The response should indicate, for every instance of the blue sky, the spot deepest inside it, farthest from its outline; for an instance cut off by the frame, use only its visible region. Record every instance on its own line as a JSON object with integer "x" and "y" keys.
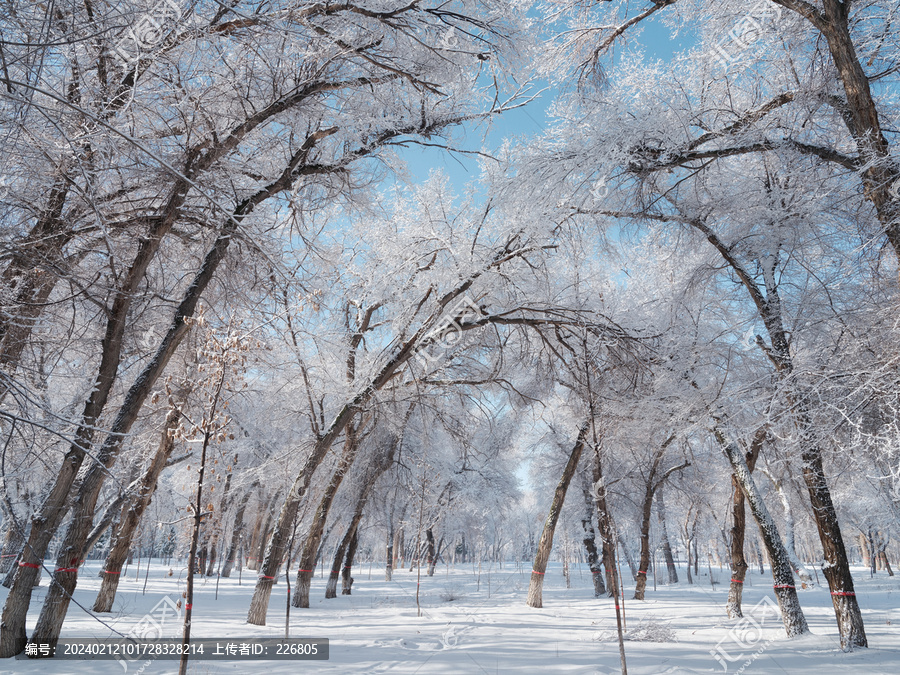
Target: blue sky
{"x": 656, "y": 42}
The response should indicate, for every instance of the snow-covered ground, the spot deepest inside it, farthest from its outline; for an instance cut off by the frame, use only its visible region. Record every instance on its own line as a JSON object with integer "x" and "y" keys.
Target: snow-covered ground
{"x": 487, "y": 628}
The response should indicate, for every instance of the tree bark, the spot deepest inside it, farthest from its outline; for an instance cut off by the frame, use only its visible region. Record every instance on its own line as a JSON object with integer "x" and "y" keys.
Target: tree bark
{"x": 837, "y": 568}
{"x": 72, "y": 550}
{"x": 236, "y": 532}
{"x": 664, "y": 537}
{"x": 546, "y": 542}
{"x": 133, "y": 512}
{"x": 314, "y": 538}
{"x": 589, "y": 539}
{"x": 389, "y": 555}
{"x": 738, "y": 529}
{"x": 429, "y": 551}
{"x": 651, "y": 485}
{"x": 791, "y": 614}
{"x": 346, "y": 578}
{"x": 789, "y": 543}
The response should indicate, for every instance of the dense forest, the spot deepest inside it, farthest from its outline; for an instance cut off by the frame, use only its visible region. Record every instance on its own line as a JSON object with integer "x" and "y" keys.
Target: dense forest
{"x": 239, "y": 333}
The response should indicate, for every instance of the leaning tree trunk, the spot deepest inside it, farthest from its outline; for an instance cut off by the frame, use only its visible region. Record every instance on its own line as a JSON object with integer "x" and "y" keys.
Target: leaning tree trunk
{"x": 314, "y": 538}
{"x": 789, "y": 542}
{"x": 644, "y": 559}
{"x": 277, "y": 545}
{"x": 429, "y": 551}
{"x": 71, "y": 552}
{"x": 768, "y": 304}
{"x": 346, "y": 541}
{"x": 132, "y": 513}
{"x": 255, "y": 536}
{"x": 381, "y": 463}
{"x": 738, "y": 528}
{"x": 546, "y": 542}
{"x": 236, "y": 532}
{"x": 46, "y": 522}
{"x": 335, "y": 574}
{"x": 837, "y": 565}
{"x": 664, "y": 536}
{"x": 651, "y": 485}
{"x": 589, "y": 539}
{"x": 791, "y": 614}
{"x": 218, "y": 532}
{"x": 605, "y": 529}
{"x": 12, "y": 545}
{"x": 213, "y": 556}
{"x": 346, "y": 577}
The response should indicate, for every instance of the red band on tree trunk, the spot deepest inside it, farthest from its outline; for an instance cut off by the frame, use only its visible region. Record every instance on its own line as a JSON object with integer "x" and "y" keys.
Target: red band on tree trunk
{"x": 190, "y": 605}
{"x": 304, "y": 570}
{"x": 66, "y": 569}
{"x": 263, "y": 576}
{"x": 108, "y": 572}
{"x": 31, "y": 565}
{"x": 536, "y": 572}
{"x": 843, "y": 593}
{"x": 784, "y": 586}
{"x": 738, "y": 581}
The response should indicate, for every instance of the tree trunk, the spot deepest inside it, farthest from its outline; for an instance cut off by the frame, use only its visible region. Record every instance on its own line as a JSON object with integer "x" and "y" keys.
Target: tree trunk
{"x": 664, "y": 537}
{"x": 791, "y": 614}
{"x": 335, "y": 574}
{"x": 236, "y": 532}
{"x": 799, "y": 567}
{"x": 738, "y": 528}
{"x": 589, "y": 539}
{"x": 195, "y": 537}
{"x": 12, "y": 545}
{"x": 768, "y": 305}
{"x": 72, "y": 550}
{"x": 389, "y": 555}
{"x": 213, "y": 553}
{"x": 887, "y": 563}
{"x": 837, "y": 566}
{"x": 132, "y": 513}
{"x": 644, "y": 560}
{"x": 46, "y": 522}
{"x": 314, "y": 538}
{"x": 430, "y": 553}
{"x": 346, "y": 578}
{"x": 546, "y": 542}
